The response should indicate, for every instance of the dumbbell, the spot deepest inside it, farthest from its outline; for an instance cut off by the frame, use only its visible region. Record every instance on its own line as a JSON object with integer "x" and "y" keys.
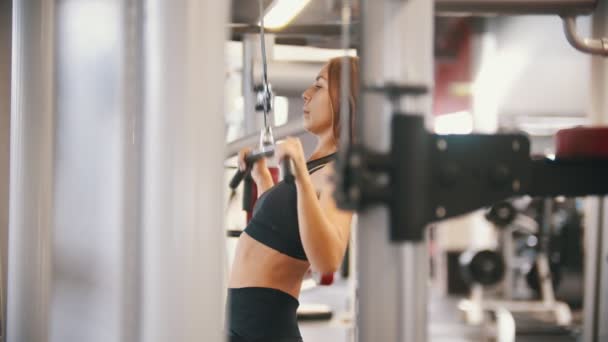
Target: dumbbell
{"x": 484, "y": 267}
{"x": 501, "y": 214}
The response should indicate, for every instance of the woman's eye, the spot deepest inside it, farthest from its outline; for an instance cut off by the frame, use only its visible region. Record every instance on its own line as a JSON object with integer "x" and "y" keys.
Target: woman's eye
{"x": 318, "y": 86}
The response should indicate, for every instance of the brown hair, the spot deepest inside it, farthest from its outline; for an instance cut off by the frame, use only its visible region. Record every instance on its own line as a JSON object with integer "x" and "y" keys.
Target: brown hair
{"x": 334, "y": 72}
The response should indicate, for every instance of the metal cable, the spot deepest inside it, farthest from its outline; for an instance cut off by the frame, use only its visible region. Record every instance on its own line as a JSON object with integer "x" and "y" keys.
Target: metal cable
{"x": 264, "y": 65}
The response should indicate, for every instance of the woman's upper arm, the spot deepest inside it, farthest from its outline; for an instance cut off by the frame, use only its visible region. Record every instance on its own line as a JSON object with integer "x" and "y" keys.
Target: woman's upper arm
{"x": 340, "y": 219}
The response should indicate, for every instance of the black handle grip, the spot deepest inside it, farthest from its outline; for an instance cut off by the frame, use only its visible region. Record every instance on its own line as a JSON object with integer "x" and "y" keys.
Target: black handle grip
{"x": 250, "y": 159}
{"x": 248, "y": 193}
{"x": 288, "y": 176}
{"x": 238, "y": 177}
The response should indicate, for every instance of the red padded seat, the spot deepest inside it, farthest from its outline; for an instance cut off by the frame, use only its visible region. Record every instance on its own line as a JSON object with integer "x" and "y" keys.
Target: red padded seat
{"x": 582, "y": 143}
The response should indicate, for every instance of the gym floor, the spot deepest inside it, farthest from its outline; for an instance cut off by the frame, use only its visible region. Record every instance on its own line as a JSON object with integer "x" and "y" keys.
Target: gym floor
{"x": 445, "y": 319}
{"x": 445, "y": 326}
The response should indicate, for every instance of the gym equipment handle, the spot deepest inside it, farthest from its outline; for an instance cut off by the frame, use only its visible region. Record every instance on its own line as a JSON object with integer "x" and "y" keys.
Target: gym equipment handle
{"x": 250, "y": 159}
{"x": 288, "y": 176}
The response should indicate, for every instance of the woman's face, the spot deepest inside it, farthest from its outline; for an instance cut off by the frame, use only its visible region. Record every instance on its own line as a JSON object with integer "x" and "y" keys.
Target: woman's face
{"x": 318, "y": 116}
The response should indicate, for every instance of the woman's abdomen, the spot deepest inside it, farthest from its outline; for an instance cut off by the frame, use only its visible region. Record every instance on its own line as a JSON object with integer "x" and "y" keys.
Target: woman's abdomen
{"x": 257, "y": 265}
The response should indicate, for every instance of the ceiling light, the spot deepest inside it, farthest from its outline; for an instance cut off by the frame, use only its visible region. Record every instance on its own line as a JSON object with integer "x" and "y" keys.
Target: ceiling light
{"x": 454, "y": 123}
{"x": 282, "y": 12}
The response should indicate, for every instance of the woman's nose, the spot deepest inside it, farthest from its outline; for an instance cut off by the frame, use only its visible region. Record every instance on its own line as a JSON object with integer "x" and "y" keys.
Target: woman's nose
{"x": 305, "y": 95}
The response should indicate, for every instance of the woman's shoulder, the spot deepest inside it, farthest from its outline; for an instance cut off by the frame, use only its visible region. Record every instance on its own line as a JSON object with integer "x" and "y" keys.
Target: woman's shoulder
{"x": 322, "y": 178}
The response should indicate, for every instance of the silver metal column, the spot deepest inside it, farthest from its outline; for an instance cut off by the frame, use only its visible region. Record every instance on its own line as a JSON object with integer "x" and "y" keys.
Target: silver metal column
{"x": 72, "y": 218}
{"x": 598, "y": 110}
{"x": 183, "y": 154}
{"x": 596, "y": 270}
{"x": 595, "y": 306}
{"x": 392, "y": 279}
{"x": 602, "y": 298}
{"x": 114, "y": 215}
{"x": 31, "y": 184}
{"x": 6, "y": 14}
{"x": 95, "y": 213}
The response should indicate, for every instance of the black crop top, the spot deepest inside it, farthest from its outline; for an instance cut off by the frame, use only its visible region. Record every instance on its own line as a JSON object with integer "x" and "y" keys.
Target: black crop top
{"x": 275, "y": 216}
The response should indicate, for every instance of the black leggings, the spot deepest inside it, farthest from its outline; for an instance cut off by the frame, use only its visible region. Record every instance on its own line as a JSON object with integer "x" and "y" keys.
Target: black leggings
{"x": 261, "y": 314}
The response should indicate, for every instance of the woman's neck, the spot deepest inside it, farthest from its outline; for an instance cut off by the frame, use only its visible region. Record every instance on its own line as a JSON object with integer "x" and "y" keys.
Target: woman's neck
{"x": 325, "y": 146}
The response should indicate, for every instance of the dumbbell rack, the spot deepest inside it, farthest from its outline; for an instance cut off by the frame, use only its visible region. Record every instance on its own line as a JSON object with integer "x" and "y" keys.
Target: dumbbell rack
{"x": 477, "y": 305}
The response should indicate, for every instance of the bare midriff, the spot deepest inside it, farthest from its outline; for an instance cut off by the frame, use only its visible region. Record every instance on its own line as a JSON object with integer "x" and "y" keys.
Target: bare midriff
{"x": 257, "y": 265}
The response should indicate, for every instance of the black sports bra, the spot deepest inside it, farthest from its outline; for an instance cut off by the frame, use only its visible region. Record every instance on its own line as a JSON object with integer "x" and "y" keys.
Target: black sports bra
{"x": 275, "y": 216}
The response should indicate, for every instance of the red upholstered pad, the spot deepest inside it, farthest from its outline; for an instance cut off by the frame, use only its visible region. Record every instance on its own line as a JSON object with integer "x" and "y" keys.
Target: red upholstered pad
{"x": 322, "y": 279}
{"x": 582, "y": 143}
{"x": 326, "y": 279}
{"x": 274, "y": 172}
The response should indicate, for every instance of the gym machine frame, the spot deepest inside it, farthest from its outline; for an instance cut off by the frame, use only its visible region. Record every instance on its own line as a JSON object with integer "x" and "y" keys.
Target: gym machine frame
{"x": 429, "y": 177}
{"x": 434, "y": 177}
{"x": 422, "y": 177}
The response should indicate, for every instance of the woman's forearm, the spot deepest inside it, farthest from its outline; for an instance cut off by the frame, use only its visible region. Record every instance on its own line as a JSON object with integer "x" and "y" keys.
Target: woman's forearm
{"x": 264, "y": 183}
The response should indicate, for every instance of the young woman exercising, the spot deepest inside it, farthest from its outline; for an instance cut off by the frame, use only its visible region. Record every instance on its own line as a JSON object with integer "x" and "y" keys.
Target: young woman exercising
{"x": 294, "y": 226}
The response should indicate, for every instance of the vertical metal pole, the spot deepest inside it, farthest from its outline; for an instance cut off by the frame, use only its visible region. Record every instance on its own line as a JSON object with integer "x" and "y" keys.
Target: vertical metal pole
{"x": 95, "y": 182}
{"x": 183, "y": 134}
{"x": 598, "y": 110}
{"x": 392, "y": 278}
{"x": 5, "y": 134}
{"x": 508, "y": 252}
{"x": 114, "y": 217}
{"x": 602, "y": 299}
{"x": 596, "y": 210}
{"x": 546, "y": 286}
{"x": 133, "y": 19}
{"x": 595, "y": 269}
{"x": 31, "y": 171}
{"x": 72, "y": 184}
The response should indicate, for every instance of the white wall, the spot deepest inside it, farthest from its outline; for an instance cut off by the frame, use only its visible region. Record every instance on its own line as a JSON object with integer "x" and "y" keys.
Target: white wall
{"x": 532, "y": 69}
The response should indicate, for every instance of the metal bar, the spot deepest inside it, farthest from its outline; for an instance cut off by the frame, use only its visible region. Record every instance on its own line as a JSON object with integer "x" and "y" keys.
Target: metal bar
{"x": 96, "y": 172}
{"x": 183, "y": 133}
{"x": 568, "y": 178}
{"x": 598, "y": 109}
{"x": 476, "y": 7}
{"x": 602, "y": 299}
{"x": 507, "y": 247}
{"x": 288, "y": 78}
{"x": 31, "y": 171}
{"x": 597, "y": 46}
{"x": 5, "y": 134}
{"x": 131, "y": 263}
{"x": 594, "y": 217}
{"x": 87, "y": 155}
{"x": 319, "y": 29}
{"x": 542, "y": 262}
{"x": 397, "y": 48}
{"x": 598, "y": 238}
{"x": 413, "y": 299}
{"x": 291, "y": 128}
